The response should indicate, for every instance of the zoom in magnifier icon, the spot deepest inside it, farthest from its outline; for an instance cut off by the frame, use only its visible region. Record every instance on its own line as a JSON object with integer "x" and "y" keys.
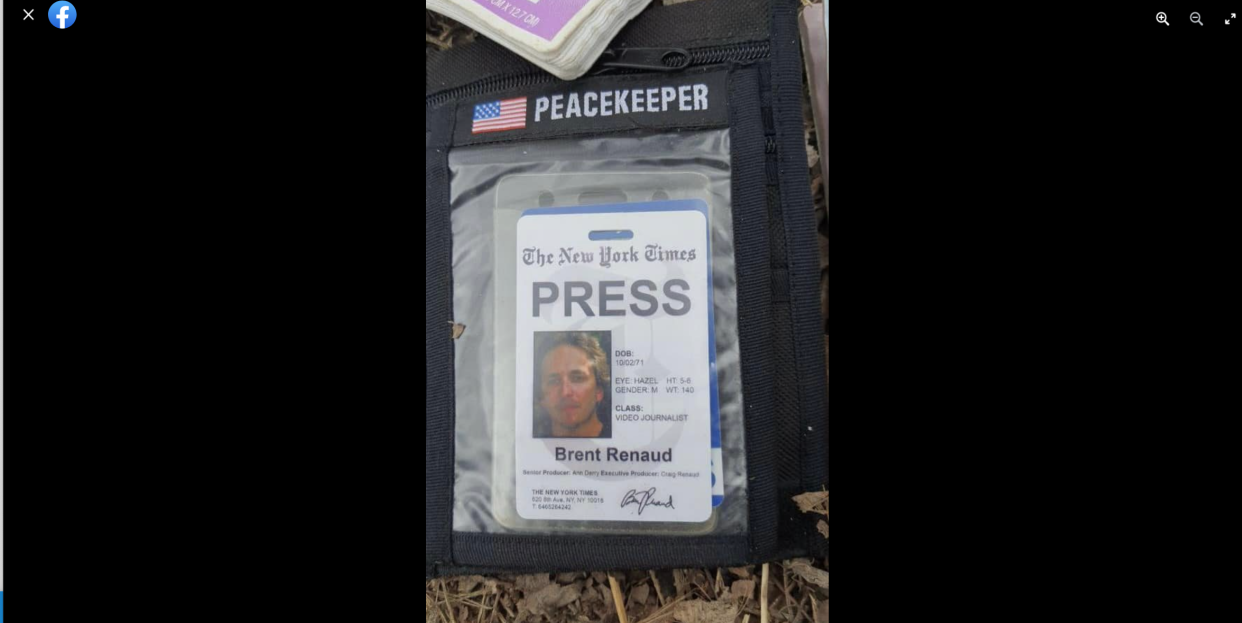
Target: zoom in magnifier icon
{"x": 1194, "y": 19}
{"x": 1162, "y": 18}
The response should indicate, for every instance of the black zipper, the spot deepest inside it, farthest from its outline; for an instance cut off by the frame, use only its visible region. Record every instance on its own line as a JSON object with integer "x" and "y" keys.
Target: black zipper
{"x": 501, "y": 83}
{"x": 617, "y": 61}
{"x": 740, "y": 52}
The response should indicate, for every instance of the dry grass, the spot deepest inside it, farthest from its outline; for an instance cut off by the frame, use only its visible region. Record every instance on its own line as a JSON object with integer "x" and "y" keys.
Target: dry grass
{"x": 790, "y": 591}
{"x": 796, "y": 591}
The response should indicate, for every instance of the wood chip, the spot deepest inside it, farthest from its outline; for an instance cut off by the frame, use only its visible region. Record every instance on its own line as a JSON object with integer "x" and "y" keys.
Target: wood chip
{"x": 617, "y": 598}
{"x": 802, "y": 567}
{"x": 763, "y": 596}
{"x": 468, "y": 583}
{"x": 458, "y": 329}
{"x": 436, "y": 42}
{"x": 813, "y": 502}
{"x": 551, "y": 597}
{"x": 655, "y": 582}
{"x": 639, "y": 594}
{"x": 566, "y": 578}
{"x": 741, "y": 572}
{"x": 700, "y": 611}
{"x": 699, "y": 580}
{"x": 680, "y": 582}
{"x": 821, "y": 611}
{"x": 530, "y": 584}
{"x": 822, "y": 526}
{"x": 743, "y": 589}
{"x": 606, "y": 591}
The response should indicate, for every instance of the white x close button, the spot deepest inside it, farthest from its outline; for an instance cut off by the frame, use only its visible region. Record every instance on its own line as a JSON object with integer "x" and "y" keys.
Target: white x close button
{"x": 28, "y": 15}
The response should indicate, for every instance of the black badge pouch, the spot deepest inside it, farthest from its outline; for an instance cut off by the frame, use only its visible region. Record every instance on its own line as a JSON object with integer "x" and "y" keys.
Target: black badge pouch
{"x": 656, "y": 135}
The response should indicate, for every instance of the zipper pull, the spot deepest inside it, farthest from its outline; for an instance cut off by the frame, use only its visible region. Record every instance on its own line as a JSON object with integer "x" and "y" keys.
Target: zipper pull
{"x": 651, "y": 59}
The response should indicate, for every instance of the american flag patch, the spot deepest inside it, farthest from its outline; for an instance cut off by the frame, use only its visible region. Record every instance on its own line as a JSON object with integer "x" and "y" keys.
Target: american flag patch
{"x": 499, "y": 115}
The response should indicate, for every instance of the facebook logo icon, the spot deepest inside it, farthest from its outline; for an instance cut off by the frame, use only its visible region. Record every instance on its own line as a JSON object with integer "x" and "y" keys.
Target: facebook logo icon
{"x": 62, "y": 14}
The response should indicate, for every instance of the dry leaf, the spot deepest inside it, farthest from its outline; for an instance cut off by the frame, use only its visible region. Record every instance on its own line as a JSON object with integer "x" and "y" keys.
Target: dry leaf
{"x": 813, "y": 502}
{"x": 822, "y": 526}
{"x": 593, "y": 602}
{"x": 606, "y": 591}
{"x": 655, "y": 584}
{"x": 679, "y": 581}
{"x": 699, "y": 611}
{"x": 700, "y": 580}
{"x": 743, "y": 588}
{"x": 469, "y": 583}
{"x": 530, "y": 584}
{"x": 549, "y": 599}
{"x": 821, "y": 611}
{"x": 458, "y": 329}
{"x": 435, "y": 42}
{"x": 802, "y": 567}
{"x": 639, "y": 594}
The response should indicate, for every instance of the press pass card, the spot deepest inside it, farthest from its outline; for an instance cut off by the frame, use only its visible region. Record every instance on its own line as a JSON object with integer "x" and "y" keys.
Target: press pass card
{"x": 616, "y": 415}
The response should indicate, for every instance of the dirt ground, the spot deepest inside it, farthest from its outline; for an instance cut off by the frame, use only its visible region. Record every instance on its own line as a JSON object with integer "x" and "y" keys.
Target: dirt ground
{"x": 789, "y": 591}
{"x": 795, "y": 590}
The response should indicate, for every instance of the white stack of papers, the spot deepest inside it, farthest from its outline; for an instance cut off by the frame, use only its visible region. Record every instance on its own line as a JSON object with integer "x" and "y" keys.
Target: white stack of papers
{"x": 564, "y": 37}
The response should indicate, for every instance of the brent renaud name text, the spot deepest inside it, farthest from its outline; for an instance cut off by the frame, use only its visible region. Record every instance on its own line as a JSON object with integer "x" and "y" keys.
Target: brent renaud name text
{"x": 614, "y": 454}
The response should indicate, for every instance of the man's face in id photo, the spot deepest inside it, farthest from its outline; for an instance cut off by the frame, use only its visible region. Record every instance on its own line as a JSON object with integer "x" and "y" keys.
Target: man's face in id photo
{"x": 570, "y": 393}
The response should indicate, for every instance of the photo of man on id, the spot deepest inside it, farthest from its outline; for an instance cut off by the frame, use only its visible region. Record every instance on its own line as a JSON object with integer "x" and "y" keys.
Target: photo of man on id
{"x": 572, "y": 384}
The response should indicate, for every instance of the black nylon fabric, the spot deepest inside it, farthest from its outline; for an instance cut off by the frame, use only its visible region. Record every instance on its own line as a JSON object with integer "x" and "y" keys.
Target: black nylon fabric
{"x": 754, "y": 303}
{"x": 719, "y": 22}
{"x": 482, "y": 553}
{"x": 678, "y": 25}
{"x": 802, "y": 256}
{"x": 463, "y": 64}
{"x": 783, "y": 371}
{"x": 439, "y": 437}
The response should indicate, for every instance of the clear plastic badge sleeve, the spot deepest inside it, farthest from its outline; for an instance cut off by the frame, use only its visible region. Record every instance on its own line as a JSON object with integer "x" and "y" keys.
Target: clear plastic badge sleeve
{"x": 545, "y": 441}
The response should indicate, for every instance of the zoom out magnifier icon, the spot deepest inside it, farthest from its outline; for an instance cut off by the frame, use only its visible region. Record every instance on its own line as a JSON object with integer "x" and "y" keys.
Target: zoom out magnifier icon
{"x": 1194, "y": 19}
{"x": 1162, "y": 18}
